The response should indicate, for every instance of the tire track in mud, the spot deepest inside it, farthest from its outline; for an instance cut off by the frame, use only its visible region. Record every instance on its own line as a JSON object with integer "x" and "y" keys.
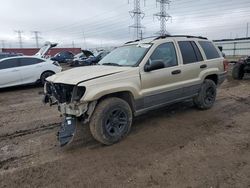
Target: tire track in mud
{"x": 25, "y": 132}
{"x": 4, "y": 164}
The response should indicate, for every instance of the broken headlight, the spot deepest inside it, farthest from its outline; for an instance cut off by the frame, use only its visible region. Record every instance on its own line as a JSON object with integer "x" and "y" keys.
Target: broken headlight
{"x": 78, "y": 93}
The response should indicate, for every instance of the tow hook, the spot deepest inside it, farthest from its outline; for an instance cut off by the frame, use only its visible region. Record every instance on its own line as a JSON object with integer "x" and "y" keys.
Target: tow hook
{"x": 67, "y": 130}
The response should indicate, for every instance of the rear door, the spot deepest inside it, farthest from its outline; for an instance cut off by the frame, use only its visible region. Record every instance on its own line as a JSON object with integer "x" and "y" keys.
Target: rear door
{"x": 10, "y": 73}
{"x": 192, "y": 64}
{"x": 31, "y": 69}
{"x": 214, "y": 59}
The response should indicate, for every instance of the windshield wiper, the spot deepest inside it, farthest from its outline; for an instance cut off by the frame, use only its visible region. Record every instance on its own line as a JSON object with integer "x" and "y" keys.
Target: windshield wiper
{"x": 113, "y": 64}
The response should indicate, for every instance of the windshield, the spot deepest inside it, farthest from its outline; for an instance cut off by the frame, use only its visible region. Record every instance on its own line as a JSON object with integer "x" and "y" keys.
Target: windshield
{"x": 126, "y": 55}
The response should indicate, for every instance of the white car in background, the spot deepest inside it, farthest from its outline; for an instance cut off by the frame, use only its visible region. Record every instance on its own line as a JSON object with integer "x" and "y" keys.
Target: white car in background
{"x": 23, "y": 70}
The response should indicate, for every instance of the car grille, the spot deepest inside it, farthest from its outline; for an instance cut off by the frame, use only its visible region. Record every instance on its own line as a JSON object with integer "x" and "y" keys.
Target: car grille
{"x": 62, "y": 92}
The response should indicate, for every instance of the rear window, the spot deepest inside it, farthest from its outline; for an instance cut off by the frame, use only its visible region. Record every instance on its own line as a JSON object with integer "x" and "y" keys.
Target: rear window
{"x": 209, "y": 49}
{"x": 29, "y": 61}
{"x": 190, "y": 52}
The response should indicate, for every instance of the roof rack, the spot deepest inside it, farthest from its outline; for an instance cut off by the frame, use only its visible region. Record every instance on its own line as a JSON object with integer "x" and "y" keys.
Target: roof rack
{"x": 132, "y": 41}
{"x": 166, "y": 36}
{"x": 137, "y": 40}
{"x": 188, "y": 36}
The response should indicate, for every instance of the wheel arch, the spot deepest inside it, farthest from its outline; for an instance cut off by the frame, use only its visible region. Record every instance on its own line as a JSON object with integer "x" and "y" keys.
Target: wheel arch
{"x": 124, "y": 95}
{"x": 47, "y": 71}
{"x": 213, "y": 77}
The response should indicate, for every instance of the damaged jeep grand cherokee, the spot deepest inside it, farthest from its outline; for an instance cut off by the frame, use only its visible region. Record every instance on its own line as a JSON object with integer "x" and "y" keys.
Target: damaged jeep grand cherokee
{"x": 133, "y": 79}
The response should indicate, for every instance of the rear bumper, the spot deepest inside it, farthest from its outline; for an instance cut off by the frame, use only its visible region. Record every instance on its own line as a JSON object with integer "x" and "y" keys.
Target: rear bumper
{"x": 222, "y": 77}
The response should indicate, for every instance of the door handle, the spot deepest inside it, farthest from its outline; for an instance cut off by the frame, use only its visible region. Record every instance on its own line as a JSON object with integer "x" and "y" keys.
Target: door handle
{"x": 203, "y": 66}
{"x": 176, "y": 72}
{"x": 15, "y": 70}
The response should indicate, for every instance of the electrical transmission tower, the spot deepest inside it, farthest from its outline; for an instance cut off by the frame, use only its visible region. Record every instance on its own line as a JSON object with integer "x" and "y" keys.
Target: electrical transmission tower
{"x": 19, "y": 33}
{"x": 137, "y": 15}
{"x": 36, "y": 37}
{"x": 3, "y": 43}
{"x": 163, "y": 16}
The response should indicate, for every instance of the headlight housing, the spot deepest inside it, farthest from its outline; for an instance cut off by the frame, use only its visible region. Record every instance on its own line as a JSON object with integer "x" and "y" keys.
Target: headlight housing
{"x": 78, "y": 93}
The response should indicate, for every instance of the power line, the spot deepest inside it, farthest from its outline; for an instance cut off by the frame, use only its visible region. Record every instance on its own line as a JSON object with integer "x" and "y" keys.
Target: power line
{"x": 163, "y": 16}
{"x": 208, "y": 9}
{"x": 137, "y": 15}
{"x": 19, "y": 33}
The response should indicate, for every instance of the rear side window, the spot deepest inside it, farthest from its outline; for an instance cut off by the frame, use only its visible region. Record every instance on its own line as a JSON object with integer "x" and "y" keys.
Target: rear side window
{"x": 29, "y": 61}
{"x": 9, "y": 63}
{"x": 190, "y": 52}
{"x": 209, "y": 49}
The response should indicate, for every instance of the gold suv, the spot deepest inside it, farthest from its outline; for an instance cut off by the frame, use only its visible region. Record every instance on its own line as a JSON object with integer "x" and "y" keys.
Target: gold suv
{"x": 133, "y": 79}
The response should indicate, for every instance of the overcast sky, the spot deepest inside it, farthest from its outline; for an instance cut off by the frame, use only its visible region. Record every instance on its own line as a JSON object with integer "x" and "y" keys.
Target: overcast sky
{"x": 105, "y": 22}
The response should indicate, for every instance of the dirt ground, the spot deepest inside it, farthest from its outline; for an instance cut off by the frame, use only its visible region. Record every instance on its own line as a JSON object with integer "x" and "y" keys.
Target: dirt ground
{"x": 177, "y": 146}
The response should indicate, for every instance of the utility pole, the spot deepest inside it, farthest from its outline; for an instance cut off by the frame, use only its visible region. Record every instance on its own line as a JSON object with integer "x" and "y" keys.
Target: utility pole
{"x": 73, "y": 46}
{"x": 137, "y": 15}
{"x": 19, "y": 33}
{"x": 3, "y": 43}
{"x": 247, "y": 29}
{"x": 141, "y": 35}
{"x": 36, "y": 37}
{"x": 84, "y": 40}
{"x": 163, "y": 16}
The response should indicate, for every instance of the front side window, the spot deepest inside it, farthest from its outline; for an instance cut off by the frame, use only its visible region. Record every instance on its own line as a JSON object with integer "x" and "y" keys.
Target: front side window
{"x": 190, "y": 52}
{"x": 29, "y": 61}
{"x": 126, "y": 55}
{"x": 9, "y": 63}
{"x": 209, "y": 49}
{"x": 165, "y": 53}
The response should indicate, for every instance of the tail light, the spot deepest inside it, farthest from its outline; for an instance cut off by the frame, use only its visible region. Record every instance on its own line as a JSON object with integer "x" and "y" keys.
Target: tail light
{"x": 225, "y": 64}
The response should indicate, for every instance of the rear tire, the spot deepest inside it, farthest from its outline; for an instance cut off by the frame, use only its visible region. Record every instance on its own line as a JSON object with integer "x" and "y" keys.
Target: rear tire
{"x": 45, "y": 75}
{"x": 238, "y": 71}
{"x": 206, "y": 96}
{"x": 111, "y": 121}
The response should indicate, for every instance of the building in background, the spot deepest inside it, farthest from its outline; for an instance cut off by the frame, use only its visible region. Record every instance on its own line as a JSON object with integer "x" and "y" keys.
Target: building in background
{"x": 235, "y": 47}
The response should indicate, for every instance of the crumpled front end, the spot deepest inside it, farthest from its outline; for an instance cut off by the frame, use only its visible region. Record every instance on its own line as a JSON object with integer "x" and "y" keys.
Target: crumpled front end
{"x": 67, "y": 97}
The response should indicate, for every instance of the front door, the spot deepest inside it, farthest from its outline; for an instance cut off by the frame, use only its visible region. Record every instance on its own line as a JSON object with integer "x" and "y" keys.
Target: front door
{"x": 162, "y": 85}
{"x": 9, "y": 73}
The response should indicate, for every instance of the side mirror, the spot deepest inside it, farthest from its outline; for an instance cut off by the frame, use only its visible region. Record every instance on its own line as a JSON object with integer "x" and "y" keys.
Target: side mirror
{"x": 154, "y": 65}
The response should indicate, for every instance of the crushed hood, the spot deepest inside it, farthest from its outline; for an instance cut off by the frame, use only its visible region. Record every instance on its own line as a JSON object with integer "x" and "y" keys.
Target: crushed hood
{"x": 81, "y": 74}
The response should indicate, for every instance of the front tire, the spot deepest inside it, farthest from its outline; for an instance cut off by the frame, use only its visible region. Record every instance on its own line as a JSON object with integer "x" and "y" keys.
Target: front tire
{"x": 111, "y": 121}
{"x": 206, "y": 96}
{"x": 238, "y": 71}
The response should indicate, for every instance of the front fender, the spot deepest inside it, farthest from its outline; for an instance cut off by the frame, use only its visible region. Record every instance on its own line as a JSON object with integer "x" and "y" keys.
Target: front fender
{"x": 95, "y": 93}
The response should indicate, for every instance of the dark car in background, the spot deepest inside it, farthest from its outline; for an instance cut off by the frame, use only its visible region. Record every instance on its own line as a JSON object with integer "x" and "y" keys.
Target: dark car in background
{"x": 63, "y": 57}
{"x": 89, "y": 58}
{"x": 5, "y": 55}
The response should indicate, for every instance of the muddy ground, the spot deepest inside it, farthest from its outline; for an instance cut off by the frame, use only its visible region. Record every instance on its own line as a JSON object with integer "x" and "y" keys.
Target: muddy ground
{"x": 177, "y": 146}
